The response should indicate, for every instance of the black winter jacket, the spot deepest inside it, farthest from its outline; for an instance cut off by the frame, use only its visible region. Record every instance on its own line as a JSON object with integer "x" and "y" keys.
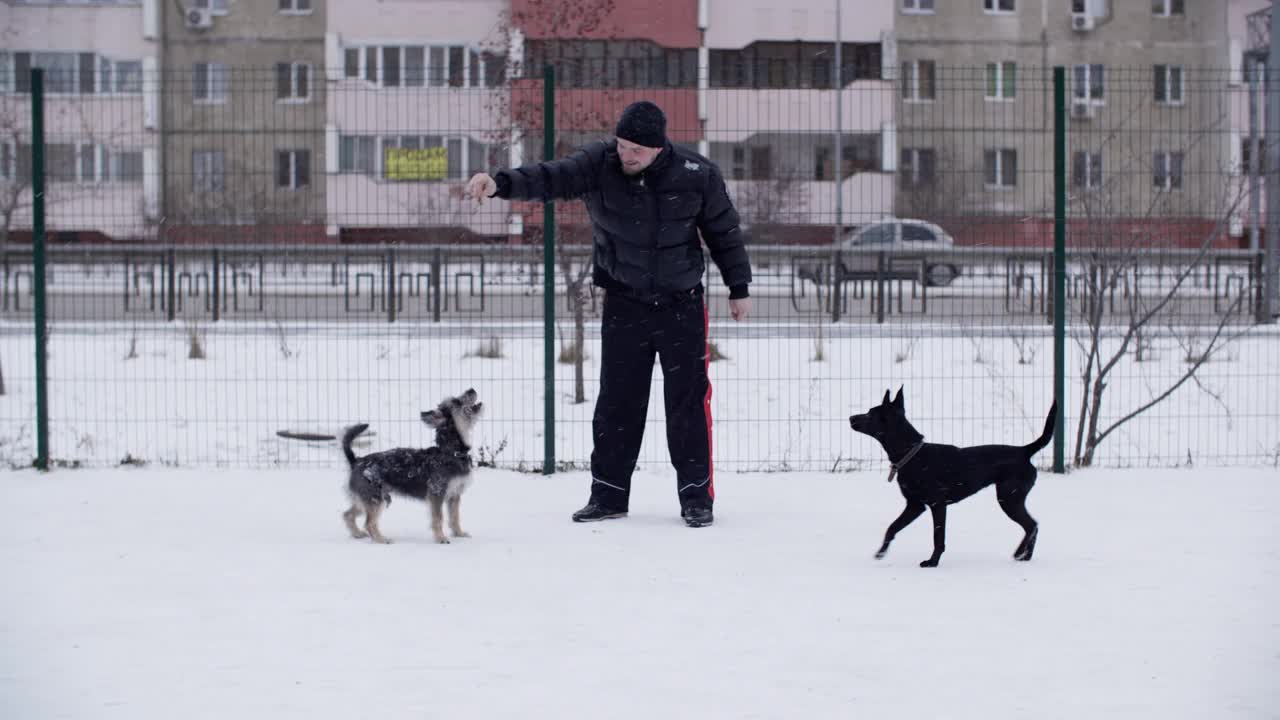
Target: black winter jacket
{"x": 645, "y": 227}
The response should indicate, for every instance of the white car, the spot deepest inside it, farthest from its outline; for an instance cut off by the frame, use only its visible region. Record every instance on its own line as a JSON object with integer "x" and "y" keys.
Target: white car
{"x": 899, "y": 235}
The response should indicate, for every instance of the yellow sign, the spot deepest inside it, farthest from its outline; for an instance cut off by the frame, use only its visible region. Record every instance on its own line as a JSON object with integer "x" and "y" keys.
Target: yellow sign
{"x": 427, "y": 164}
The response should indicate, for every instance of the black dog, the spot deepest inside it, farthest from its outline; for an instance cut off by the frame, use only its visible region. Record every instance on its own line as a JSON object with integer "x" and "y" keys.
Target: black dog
{"x": 438, "y": 474}
{"x": 935, "y": 476}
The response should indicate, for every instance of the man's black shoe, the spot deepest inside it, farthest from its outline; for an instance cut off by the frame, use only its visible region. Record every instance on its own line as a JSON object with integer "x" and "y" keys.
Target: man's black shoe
{"x": 593, "y": 512}
{"x": 697, "y": 516}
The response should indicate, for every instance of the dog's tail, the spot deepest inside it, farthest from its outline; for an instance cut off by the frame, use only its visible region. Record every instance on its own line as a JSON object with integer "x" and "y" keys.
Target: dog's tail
{"x": 1047, "y": 436}
{"x": 350, "y": 435}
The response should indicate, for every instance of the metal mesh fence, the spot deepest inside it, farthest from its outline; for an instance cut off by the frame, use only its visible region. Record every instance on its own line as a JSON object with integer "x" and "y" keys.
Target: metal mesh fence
{"x": 239, "y": 254}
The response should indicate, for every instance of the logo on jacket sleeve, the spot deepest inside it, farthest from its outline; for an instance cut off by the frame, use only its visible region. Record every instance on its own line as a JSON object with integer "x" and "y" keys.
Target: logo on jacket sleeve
{"x": 690, "y": 165}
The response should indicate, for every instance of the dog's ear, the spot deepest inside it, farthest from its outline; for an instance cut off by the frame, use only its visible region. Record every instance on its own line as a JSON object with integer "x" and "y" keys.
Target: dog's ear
{"x": 886, "y": 398}
{"x": 897, "y": 399}
{"x": 434, "y": 418}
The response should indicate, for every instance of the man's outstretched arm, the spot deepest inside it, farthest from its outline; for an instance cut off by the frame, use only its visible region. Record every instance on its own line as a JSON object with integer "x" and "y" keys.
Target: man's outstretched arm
{"x": 563, "y": 179}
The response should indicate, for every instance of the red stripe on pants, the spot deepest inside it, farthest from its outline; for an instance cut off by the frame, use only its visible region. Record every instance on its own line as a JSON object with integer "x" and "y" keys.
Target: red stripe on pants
{"x": 706, "y": 401}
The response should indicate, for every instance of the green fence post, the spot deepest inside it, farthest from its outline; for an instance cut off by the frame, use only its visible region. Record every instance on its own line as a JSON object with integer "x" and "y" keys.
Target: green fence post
{"x": 37, "y": 259}
{"x": 391, "y": 284}
{"x": 549, "y": 276}
{"x": 1059, "y": 263}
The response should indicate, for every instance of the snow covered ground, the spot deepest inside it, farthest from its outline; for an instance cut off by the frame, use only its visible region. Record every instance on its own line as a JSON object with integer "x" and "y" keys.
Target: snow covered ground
{"x": 160, "y": 593}
{"x": 118, "y": 393}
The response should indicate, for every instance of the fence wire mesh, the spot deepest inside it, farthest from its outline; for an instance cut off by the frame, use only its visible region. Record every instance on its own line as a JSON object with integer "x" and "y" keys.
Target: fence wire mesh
{"x": 237, "y": 254}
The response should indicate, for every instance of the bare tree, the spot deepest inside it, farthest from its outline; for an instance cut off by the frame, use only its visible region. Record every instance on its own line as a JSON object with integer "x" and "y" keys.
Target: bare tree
{"x": 579, "y": 296}
{"x": 16, "y": 199}
{"x": 766, "y": 206}
{"x": 1113, "y": 254}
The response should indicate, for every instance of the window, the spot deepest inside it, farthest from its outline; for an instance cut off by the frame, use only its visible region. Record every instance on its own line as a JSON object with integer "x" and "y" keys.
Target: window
{"x": 351, "y": 62}
{"x": 62, "y": 71}
{"x": 219, "y": 7}
{"x": 750, "y": 162}
{"x": 415, "y": 66}
{"x": 916, "y": 167}
{"x": 861, "y": 153}
{"x": 822, "y": 168}
{"x": 1088, "y": 83}
{"x": 1168, "y": 84}
{"x": 917, "y": 233}
{"x": 768, "y": 64}
{"x": 391, "y": 67}
{"x": 917, "y": 6}
{"x": 998, "y": 6}
{"x": 1000, "y": 168}
{"x": 1167, "y": 8}
{"x": 620, "y": 63}
{"x": 128, "y": 76}
{"x": 738, "y": 170}
{"x": 78, "y": 2}
{"x": 1167, "y": 167}
{"x": 424, "y": 65}
{"x": 64, "y": 161}
{"x": 208, "y": 171}
{"x": 293, "y": 169}
{"x": 70, "y": 72}
{"x": 295, "y": 7}
{"x": 209, "y": 82}
{"x": 1086, "y": 170}
{"x": 434, "y": 157}
{"x": 493, "y": 69}
{"x": 918, "y": 80}
{"x": 357, "y": 154}
{"x": 877, "y": 234}
{"x": 1246, "y": 155}
{"x": 123, "y": 165}
{"x": 293, "y": 81}
{"x": 60, "y": 162}
{"x": 761, "y": 162}
{"x": 8, "y": 160}
{"x": 1001, "y": 81}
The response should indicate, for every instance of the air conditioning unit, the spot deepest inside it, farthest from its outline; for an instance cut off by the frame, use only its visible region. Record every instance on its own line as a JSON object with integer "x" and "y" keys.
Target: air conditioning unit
{"x": 1081, "y": 22}
{"x": 1081, "y": 110}
{"x": 198, "y": 18}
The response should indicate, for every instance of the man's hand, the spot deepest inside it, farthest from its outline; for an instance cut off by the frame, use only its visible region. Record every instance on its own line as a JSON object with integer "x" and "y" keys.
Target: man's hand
{"x": 481, "y": 187}
{"x": 740, "y": 308}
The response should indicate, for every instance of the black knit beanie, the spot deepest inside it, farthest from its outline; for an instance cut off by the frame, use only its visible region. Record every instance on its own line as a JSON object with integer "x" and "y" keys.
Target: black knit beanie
{"x": 643, "y": 124}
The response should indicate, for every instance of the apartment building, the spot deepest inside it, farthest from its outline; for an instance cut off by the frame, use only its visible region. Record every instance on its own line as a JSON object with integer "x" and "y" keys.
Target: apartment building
{"x": 750, "y": 84}
{"x": 1247, "y": 36}
{"x": 769, "y": 107}
{"x": 242, "y": 119}
{"x": 357, "y": 120}
{"x": 1148, "y": 135}
{"x": 417, "y": 100}
{"x": 102, "y": 145}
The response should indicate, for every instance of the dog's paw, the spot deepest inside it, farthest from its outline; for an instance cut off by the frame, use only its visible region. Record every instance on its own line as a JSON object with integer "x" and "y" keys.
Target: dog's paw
{"x": 442, "y": 540}
{"x": 382, "y": 541}
{"x": 359, "y": 534}
{"x": 880, "y": 554}
{"x": 1022, "y": 556}
{"x": 929, "y": 563}
{"x": 461, "y": 534}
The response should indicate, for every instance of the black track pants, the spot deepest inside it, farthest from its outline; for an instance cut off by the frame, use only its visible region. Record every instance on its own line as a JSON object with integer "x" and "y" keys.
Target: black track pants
{"x": 632, "y": 332}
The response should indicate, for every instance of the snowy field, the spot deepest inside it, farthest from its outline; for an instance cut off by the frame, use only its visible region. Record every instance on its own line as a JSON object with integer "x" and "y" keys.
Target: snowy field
{"x": 157, "y": 593}
{"x": 119, "y": 394}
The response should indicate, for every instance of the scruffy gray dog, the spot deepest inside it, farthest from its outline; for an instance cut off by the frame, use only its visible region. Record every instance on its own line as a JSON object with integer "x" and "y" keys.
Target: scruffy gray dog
{"x": 437, "y": 474}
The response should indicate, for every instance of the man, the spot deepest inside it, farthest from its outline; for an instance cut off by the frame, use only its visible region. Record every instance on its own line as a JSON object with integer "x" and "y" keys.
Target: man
{"x": 648, "y": 201}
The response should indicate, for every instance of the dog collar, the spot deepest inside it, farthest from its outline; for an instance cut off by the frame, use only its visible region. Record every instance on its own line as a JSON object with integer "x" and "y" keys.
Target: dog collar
{"x": 894, "y": 467}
